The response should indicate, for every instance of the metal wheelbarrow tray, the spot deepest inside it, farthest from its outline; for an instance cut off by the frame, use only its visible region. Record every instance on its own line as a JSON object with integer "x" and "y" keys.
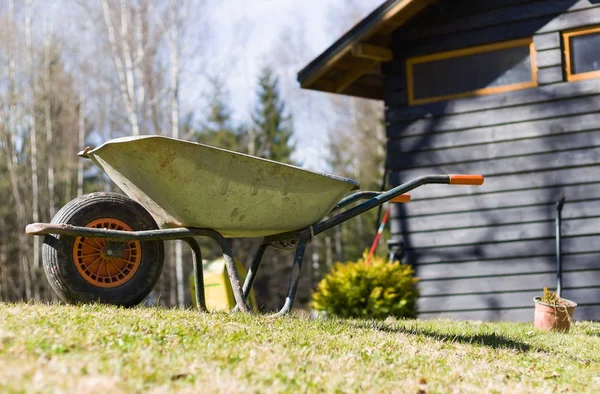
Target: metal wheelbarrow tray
{"x": 108, "y": 248}
{"x": 185, "y": 184}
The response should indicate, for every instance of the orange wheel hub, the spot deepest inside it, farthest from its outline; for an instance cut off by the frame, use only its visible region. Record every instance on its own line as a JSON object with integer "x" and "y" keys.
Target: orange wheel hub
{"x": 104, "y": 263}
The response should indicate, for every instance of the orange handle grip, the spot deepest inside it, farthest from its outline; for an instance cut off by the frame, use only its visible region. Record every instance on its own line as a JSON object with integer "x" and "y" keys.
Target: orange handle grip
{"x": 466, "y": 179}
{"x": 402, "y": 198}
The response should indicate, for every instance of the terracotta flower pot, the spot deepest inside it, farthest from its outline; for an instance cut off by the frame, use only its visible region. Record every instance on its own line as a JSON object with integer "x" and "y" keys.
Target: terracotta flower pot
{"x": 554, "y": 317}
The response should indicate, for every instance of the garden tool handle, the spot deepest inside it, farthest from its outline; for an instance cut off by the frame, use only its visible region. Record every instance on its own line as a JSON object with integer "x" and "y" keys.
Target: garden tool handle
{"x": 401, "y": 198}
{"x": 466, "y": 179}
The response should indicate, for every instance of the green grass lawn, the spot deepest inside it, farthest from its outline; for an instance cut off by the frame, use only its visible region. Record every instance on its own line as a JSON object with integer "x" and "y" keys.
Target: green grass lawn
{"x": 103, "y": 349}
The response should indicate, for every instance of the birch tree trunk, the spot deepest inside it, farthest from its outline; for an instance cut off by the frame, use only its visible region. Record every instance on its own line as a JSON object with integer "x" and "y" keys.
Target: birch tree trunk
{"x": 174, "y": 83}
{"x": 48, "y": 124}
{"x": 129, "y": 70}
{"x": 139, "y": 53}
{"x": 49, "y": 149}
{"x": 124, "y": 68}
{"x": 81, "y": 138}
{"x": 33, "y": 142}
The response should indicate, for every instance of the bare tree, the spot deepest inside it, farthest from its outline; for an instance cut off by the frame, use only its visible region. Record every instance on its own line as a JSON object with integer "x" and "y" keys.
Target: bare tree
{"x": 9, "y": 136}
{"x": 123, "y": 61}
{"x": 33, "y": 142}
{"x": 174, "y": 104}
{"x": 49, "y": 149}
{"x": 81, "y": 137}
{"x": 48, "y": 122}
{"x": 50, "y": 108}
{"x": 28, "y": 192}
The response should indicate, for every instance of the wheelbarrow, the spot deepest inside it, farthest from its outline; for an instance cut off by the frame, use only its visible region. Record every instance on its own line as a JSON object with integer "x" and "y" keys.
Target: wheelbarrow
{"x": 108, "y": 248}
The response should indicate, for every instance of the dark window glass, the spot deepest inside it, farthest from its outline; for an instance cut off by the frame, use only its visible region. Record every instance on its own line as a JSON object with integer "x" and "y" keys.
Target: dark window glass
{"x": 472, "y": 72}
{"x": 585, "y": 53}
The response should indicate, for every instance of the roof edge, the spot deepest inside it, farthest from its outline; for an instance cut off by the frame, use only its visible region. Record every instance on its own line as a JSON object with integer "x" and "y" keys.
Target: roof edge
{"x": 361, "y": 29}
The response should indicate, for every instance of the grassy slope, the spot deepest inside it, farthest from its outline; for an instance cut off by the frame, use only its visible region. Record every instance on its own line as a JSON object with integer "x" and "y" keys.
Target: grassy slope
{"x": 101, "y": 349}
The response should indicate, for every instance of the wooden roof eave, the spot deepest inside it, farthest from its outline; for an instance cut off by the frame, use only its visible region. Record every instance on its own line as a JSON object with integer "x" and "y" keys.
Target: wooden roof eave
{"x": 361, "y": 50}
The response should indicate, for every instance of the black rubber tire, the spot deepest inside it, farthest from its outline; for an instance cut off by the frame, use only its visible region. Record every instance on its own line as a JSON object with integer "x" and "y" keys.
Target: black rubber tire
{"x": 57, "y": 252}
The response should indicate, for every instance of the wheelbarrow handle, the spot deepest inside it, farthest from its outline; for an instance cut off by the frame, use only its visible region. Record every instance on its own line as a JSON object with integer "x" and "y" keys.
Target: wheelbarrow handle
{"x": 375, "y": 198}
{"x": 466, "y": 179}
{"x": 401, "y": 198}
{"x": 366, "y": 195}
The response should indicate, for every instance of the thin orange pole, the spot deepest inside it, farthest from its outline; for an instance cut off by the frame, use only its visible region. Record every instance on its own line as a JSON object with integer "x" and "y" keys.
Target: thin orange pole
{"x": 399, "y": 199}
{"x": 378, "y": 236}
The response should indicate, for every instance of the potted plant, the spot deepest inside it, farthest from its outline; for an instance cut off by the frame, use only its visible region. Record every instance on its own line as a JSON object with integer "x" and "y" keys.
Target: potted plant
{"x": 553, "y": 313}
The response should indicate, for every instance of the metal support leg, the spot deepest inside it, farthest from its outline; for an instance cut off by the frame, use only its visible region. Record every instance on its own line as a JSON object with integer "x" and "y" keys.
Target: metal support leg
{"x": 305, "y": 238}
{"x": 198, "y": 274}
{"x": 251, "y": 275}
{"x": 234, "y": 278}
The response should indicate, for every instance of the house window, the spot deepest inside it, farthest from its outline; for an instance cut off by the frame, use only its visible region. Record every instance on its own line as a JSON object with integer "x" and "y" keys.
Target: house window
{"x": 582, "y": 53}
{"x": 485, "y": 69}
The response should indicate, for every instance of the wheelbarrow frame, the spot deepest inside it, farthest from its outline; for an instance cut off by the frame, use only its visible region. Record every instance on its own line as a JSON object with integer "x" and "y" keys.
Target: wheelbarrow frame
{"x": 297, "y": 240}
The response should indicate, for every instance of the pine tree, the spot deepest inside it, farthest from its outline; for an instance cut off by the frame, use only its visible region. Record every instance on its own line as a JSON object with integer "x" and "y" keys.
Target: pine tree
{"x": 217, "y": 130}
{"x": 273, "y": 128}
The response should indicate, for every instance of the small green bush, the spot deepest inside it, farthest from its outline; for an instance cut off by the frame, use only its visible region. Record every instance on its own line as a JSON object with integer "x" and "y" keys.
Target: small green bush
{"x": 375, "y": 291}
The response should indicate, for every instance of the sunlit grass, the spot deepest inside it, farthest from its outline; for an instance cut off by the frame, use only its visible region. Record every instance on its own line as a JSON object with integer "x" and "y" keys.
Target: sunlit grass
{"x": 56, "y": 348}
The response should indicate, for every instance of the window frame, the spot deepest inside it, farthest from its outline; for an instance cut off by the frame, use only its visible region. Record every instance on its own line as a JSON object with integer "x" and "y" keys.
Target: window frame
{"x": 566, "y": 36}
{"x": 410, "y": 62}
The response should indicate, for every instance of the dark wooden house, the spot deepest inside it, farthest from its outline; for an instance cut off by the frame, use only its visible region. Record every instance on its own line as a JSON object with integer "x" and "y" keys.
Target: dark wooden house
{"x": 506, "y": 88}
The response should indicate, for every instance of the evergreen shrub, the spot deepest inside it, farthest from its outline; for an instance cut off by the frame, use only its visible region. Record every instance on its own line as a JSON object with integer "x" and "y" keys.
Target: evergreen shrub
{"x": 374, "y": 291}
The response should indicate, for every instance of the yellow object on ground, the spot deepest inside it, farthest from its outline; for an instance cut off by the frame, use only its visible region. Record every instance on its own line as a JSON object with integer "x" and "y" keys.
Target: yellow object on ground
{"x": 217, "y": 288}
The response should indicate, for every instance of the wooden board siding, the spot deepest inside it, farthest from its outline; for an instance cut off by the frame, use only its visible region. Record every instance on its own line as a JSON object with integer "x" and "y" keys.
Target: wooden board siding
{"x": 546, "y": 41}
{"x": 551, "y": 108}
{"x": 506, "y": 268}
{"x": 514, "y": 99}
{"x": 504, "y": 300}
{"x": 485, "y": 252}
{"x": 550, "y": 75}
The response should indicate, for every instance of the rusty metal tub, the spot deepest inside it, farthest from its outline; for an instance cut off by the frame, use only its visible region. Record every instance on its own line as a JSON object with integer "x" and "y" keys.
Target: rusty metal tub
{"x": 186, "y": 184}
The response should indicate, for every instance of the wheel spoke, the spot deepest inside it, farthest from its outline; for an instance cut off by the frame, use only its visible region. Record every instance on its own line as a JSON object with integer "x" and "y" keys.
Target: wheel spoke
{"x": 99, "y": 266}
{"x": 117, "y": 267}
{"x": 92, "y": 247}
{"x": 98, "y": 243}
{"x": 108, "y": 273}
{"x": 89, "y": 266}
{"x": 122, "y": 259}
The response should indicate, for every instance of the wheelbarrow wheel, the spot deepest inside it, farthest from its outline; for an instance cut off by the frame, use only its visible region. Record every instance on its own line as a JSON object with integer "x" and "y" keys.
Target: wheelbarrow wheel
{"x": 85, "y": 269}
